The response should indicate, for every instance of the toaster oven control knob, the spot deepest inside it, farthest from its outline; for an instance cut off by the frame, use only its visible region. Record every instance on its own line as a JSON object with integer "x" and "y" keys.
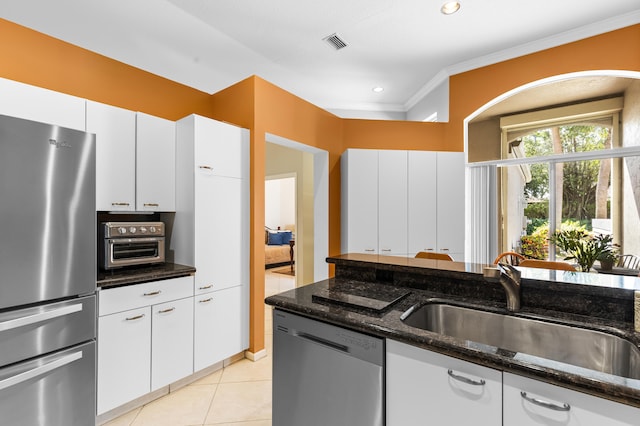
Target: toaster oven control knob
{"x": 143, "y": 230}
{"x": 152, "y": 229}
{"x": 122, "y": 230}
{"x": 132, "y": 229}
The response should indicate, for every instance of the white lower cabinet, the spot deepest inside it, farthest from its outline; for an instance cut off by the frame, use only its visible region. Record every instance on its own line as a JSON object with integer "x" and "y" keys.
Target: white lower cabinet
{"x": 171, "y": 342}
{"x": 218, "y": 327}
{"x": 145, "y": 339}
{"x": 124, "y": 357}
{"x": 531, "y": 402}
{"x": 425, "y": 387}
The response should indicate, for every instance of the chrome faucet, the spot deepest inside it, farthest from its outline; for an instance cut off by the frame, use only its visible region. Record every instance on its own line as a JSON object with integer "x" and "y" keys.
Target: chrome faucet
{"x": 510, "y": 280}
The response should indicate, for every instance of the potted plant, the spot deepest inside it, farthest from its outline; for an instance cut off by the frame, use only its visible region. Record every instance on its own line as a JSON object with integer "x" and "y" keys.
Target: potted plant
{"x": 609, "y": 254}
{"x": 583, "y": 247}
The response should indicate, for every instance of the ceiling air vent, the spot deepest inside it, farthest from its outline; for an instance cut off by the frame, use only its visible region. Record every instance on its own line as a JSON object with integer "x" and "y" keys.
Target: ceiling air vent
{"x": 335, "y": 41}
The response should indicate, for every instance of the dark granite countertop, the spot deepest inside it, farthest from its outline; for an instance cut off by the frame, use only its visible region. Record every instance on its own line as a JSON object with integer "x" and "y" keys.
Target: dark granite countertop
{"x": 596, "y": 302}
{"x": 142, "y": 274}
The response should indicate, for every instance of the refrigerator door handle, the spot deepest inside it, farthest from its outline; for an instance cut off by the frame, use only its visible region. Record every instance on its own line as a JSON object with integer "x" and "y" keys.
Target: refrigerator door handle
{"x": 39, "y": 371}
{"x": 39, "y": 317}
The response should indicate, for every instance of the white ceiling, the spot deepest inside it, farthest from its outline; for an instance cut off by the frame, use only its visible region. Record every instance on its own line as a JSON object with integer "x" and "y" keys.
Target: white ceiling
{"x": 406, "y": 46}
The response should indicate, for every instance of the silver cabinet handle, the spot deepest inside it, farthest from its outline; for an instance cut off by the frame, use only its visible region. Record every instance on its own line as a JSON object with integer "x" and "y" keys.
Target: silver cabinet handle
{"x": 164, "y": 311}
{"x": 545, "y": 404}
{"x": 153, "y": 293}
{"x": 137, "y": 317}
{"x": 119, "y": 204}
{"x": 466, "y": 380}
{"x": 151, "y": 204}
{"x": 206, "y": 167}
{"x": 444, "y": 249}
{"x": 386, "y": 249}
{"x": 39, "y": 371}
{"x": 369, "y": 250}
{"x": 205, "y": 287}
{"x": 206, "y": 300}
{"x": 44, "y": 316}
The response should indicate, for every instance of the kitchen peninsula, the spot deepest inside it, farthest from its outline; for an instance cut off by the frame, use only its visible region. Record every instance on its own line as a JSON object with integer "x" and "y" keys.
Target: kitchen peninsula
{"x": 370, "y": 293}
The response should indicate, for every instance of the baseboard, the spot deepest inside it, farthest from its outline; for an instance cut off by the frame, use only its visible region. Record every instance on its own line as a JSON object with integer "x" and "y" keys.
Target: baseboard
{"x": 255, "y": 356}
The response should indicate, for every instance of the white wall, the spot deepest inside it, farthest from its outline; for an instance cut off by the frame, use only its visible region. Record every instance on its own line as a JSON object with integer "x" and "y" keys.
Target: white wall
{"x": 280, "y": 202}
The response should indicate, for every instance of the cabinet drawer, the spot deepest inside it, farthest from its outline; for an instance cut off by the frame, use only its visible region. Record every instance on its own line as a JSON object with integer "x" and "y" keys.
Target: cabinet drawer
{"x": 145, "y": 294}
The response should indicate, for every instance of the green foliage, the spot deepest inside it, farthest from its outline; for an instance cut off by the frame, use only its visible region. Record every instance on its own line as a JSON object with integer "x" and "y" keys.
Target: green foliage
{"x": 535, "y": 245}
{"x": 583, "y": 247}
{"x": 537, "y": 211}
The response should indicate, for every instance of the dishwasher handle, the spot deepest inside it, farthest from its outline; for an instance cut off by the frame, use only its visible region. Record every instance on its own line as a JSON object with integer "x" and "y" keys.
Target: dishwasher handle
{"x": 321, "y": 341}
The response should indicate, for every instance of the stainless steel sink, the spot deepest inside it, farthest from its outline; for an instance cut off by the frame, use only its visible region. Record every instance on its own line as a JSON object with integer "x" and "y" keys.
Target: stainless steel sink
{"x": 577, "y": 346}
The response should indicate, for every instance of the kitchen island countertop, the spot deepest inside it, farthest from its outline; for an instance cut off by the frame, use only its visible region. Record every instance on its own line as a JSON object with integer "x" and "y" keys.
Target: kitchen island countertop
{"x": 362, "y": 277}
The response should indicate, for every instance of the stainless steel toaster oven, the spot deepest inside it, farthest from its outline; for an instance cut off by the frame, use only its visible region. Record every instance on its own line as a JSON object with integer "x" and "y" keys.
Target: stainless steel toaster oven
{"x": 131, "y": 243}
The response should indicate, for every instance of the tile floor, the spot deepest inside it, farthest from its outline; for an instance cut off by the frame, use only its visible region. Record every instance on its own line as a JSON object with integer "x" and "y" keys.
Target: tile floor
{"x": 238, "y": 395}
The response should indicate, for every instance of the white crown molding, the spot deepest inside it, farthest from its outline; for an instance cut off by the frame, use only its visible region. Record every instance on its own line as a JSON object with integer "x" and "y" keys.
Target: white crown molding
{"x": 566, "y": 37}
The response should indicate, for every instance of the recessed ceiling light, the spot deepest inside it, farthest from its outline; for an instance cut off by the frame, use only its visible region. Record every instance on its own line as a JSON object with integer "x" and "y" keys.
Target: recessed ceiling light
{"x": 450, "y": 7}
{"x": 378, "y": 89}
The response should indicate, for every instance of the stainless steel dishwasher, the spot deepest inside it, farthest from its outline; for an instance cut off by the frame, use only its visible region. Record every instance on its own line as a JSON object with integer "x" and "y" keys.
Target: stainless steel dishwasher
{"x": 325, "y": 375}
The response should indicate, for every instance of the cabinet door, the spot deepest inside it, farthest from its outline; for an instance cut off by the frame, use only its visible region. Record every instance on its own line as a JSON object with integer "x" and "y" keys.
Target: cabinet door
{"x": 115, "y": 130}
{"x": 155, "y": 164}
{"x": 220, "y": 326}
{"x": 450, "y": 203}
{"x": 124, "y": 357}
{"x": 421, "y": 202}
{"x": 359, "y": 170}
{"x": 43, "y": 105}
{"x": 221, "y": 147}
{"x": 424, "y": 387}
{"x": 392, "y": 202}
{"x": 171, "y": 342}
{"x": 531, "y": 402}
{"x": 219, "y": 247}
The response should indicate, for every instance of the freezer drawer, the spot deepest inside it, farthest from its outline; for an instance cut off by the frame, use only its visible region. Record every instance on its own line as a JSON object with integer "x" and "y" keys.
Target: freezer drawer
{"x": 54, "y": 390}
{"x": 325, "y": 375}
{"x": 30, "y": 332}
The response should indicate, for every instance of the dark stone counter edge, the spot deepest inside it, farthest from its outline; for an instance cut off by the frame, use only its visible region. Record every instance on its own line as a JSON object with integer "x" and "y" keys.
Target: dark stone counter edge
{"x": 617, "y": 392}
{"x": 128, "y": 276}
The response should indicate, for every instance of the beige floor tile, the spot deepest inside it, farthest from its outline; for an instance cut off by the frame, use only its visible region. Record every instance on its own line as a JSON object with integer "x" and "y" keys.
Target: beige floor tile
{"x": 125, "y": 419}
{"x": 187, "y": 406}
{"x": 211, "y": 379}
{"x": 256, "y": 423}
{"x": 238, "y": 402}
{"x": 246, "y": 370}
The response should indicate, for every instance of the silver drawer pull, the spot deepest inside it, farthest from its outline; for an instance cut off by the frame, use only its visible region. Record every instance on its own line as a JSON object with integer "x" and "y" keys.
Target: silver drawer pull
{"x": 39, "y": 371}
{"x": 205, "y": 287}
{"x": 206, "y": 300}
{"x": 164, "y": 311}
{"x": 466, "y": 380}
{"x": 151, "y": 204}
{"x": 444, "y": 249}
{"x": 137, "y": 317}
{"x": 386, "y": 249}
{"x": 545, "y": 404}
{"x": 369, "y": 250}
{"x": 153, "y": 293}
{"x": 119, "y": 204}
{"x": 206, "y": 167}
{"x": 36, "y": 318}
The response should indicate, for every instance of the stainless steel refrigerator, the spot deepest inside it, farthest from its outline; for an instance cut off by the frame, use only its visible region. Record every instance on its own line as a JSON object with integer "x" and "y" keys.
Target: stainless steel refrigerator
{"x": 47, "y": 275}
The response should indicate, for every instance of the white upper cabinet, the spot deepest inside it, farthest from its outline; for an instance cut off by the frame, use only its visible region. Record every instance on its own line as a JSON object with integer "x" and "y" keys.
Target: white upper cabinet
{"x": 359, "y": 170}
{"x": 43, "y": 105}
{"x": 155, "y": 163}
{"x": 392, "y": 202}
{"x": 135, "y": 159}
{"x": 421, "y": 212}
{"x": 402, "y": 202}
{"x": 450, "y": 204}
{"x": 115, "y": 130}
{"x": 218, "y": 151}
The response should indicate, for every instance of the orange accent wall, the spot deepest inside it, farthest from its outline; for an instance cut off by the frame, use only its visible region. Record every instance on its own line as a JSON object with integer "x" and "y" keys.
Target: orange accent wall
{"x": 40, "y": 60}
